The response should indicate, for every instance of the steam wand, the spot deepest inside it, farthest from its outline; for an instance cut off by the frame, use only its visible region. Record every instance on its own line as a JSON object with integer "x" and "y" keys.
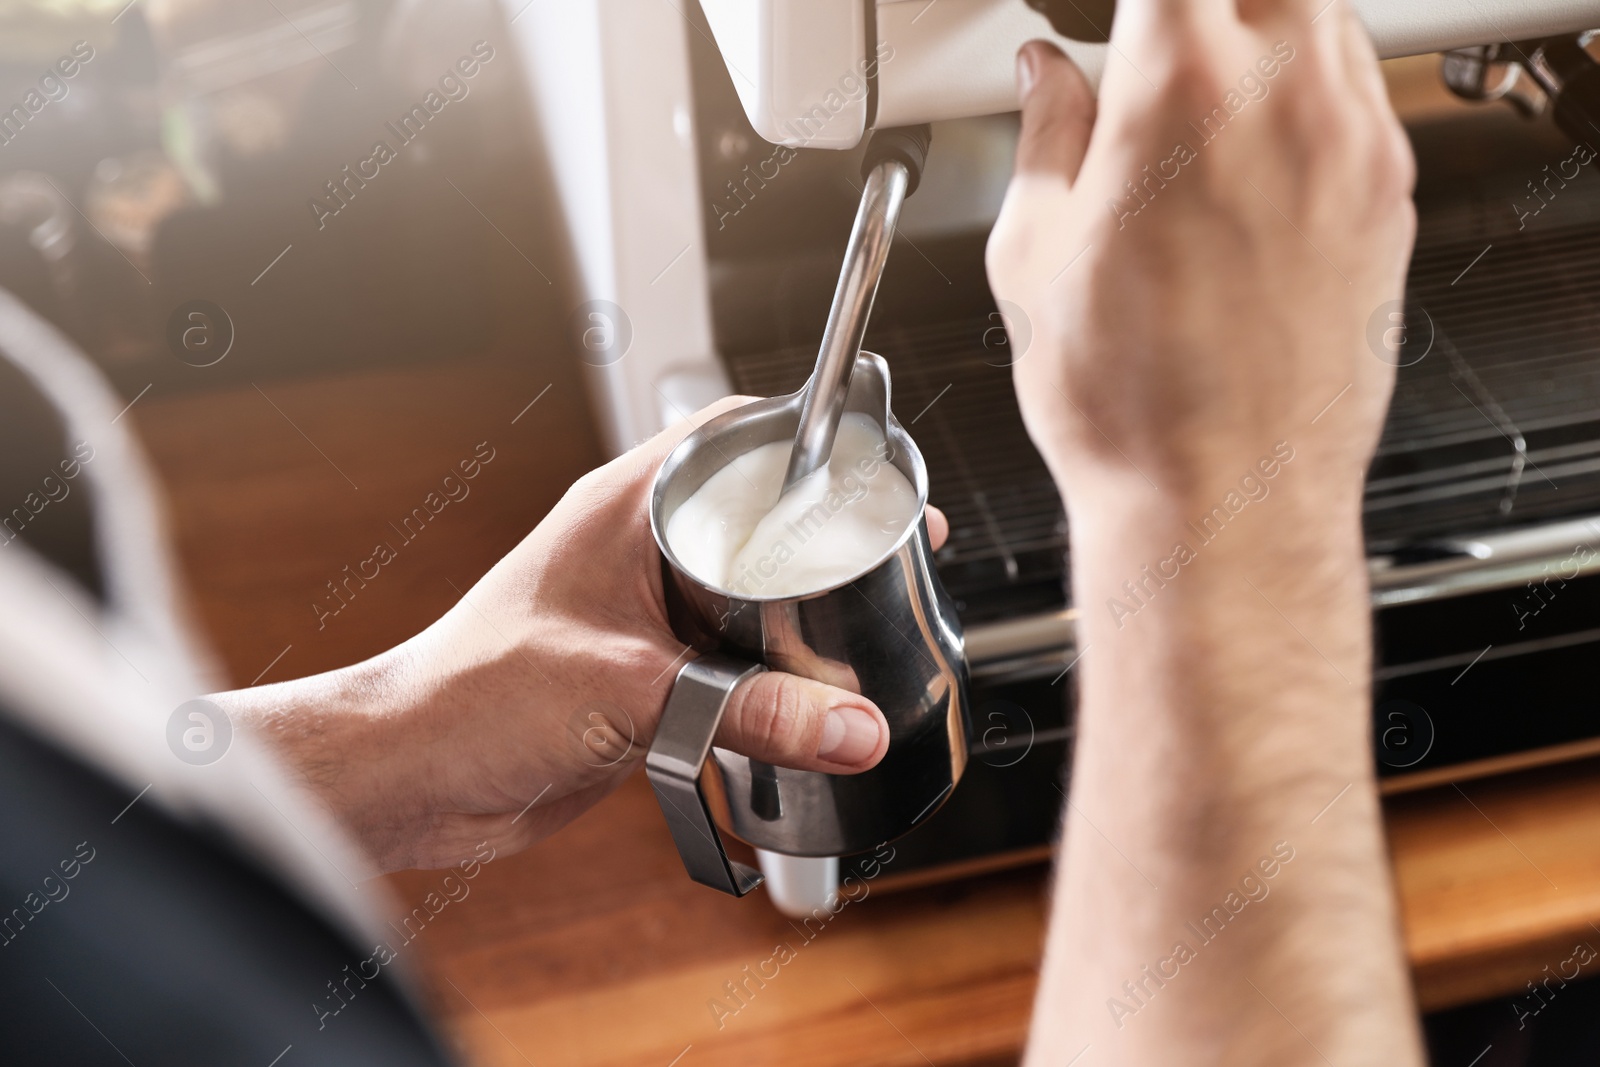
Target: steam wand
{"x": 892, "y": 168}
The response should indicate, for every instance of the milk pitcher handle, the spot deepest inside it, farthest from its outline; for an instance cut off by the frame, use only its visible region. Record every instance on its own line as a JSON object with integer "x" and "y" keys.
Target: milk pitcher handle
{"x": 678, "y": 755}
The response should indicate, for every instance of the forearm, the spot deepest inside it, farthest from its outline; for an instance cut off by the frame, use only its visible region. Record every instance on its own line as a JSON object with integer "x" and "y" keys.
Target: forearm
{"x": 1223, "y": 710}
{"x": 349, "y": 735}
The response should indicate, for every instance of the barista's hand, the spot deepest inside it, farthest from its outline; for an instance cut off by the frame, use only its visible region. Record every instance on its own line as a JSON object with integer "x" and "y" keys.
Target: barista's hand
{"x": 538, "y": 692}
{"x": 1183, "y": 323}
{"x": 1223, "y": 695}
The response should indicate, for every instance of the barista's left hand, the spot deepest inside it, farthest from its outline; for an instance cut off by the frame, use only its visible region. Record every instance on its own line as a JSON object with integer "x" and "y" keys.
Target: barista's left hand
{"x": 536, "y": 694}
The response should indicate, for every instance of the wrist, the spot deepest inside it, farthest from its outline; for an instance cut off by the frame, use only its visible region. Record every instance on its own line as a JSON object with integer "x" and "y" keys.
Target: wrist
{"x": 1247, "y": 645}
{"x": 1210, "y": 591}
{"x": 1304, "y": 564}
{"x": 349, "y": 735}
{"x": 390, "y": 779}
{"x": 1283, "y": 508}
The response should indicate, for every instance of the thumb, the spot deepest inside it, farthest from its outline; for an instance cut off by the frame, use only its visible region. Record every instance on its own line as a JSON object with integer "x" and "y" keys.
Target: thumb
{"x": 1058, "y": 110}
{"x": 796, "y": 722}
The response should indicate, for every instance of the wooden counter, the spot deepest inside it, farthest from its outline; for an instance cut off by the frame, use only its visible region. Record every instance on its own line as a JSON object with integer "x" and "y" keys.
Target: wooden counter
{"x": 592, "y": 948}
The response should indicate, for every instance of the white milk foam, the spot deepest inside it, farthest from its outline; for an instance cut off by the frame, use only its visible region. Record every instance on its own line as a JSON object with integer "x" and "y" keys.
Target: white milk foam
{"x": 736, "y": 534}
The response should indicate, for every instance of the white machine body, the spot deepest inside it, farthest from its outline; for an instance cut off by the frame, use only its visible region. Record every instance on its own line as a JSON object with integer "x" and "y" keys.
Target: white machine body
{"x": 795, "y": 62}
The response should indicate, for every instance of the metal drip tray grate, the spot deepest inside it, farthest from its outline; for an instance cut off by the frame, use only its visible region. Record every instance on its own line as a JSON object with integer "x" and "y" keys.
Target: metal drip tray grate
{"x": 1498, "y": 425}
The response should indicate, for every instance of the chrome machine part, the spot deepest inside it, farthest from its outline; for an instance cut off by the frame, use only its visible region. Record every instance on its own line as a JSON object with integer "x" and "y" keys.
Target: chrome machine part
{"x": 1567, "y": 77}
{"x": 1461, "y": 566}
{"x": 1483, "y": 73}
{"x": 1044, "y": 644}
{"x": 1570, "y": 79}
{"x": 892, "y": 168}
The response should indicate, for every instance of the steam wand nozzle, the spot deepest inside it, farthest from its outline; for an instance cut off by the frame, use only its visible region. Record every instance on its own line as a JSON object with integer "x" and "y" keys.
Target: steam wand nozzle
{"x": 892, "y": 169}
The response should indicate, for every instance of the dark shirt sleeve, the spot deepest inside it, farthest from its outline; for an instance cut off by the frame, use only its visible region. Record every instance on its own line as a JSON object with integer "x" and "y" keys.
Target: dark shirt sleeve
{"x": 44, "y": 503}
{"x": 128, "y": 937}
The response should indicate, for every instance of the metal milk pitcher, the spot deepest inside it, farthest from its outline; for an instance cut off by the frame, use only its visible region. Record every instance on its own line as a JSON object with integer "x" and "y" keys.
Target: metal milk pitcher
{"x": 893, "y": 629}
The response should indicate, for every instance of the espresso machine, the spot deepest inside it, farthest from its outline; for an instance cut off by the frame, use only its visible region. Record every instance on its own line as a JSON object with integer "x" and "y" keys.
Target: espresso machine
{"x": 709, "y": 168}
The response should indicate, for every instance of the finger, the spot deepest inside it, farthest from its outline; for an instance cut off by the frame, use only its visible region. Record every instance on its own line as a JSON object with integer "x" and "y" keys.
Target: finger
{"x": 1363, "y": 73}
{"x": 1057, "y": 112}
{"x": 938, "y": 527}
{"x": 1364, "y": 84}
{"x": 1171, "y": 25}
{"x": 795, "y": 722}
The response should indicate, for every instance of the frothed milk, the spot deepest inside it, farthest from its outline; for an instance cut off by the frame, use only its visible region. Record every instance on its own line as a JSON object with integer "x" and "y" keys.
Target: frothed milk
{"x": 737, "y": 534}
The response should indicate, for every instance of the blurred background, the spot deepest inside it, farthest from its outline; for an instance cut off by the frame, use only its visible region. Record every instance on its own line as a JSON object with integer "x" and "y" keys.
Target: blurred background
{"x": 295, "y": 372}
{"x": 310, "y": 330}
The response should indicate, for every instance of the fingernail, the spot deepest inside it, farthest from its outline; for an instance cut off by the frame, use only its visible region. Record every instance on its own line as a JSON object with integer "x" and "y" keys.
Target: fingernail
{"x": 849, "y": 735}
{"x": 1027, "y": 73}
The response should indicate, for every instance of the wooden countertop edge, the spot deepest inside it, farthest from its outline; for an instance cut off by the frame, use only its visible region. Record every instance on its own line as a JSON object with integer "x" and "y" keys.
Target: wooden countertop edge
{"x": 1502, "y": 971}
{"x": 1489, "y": 768}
